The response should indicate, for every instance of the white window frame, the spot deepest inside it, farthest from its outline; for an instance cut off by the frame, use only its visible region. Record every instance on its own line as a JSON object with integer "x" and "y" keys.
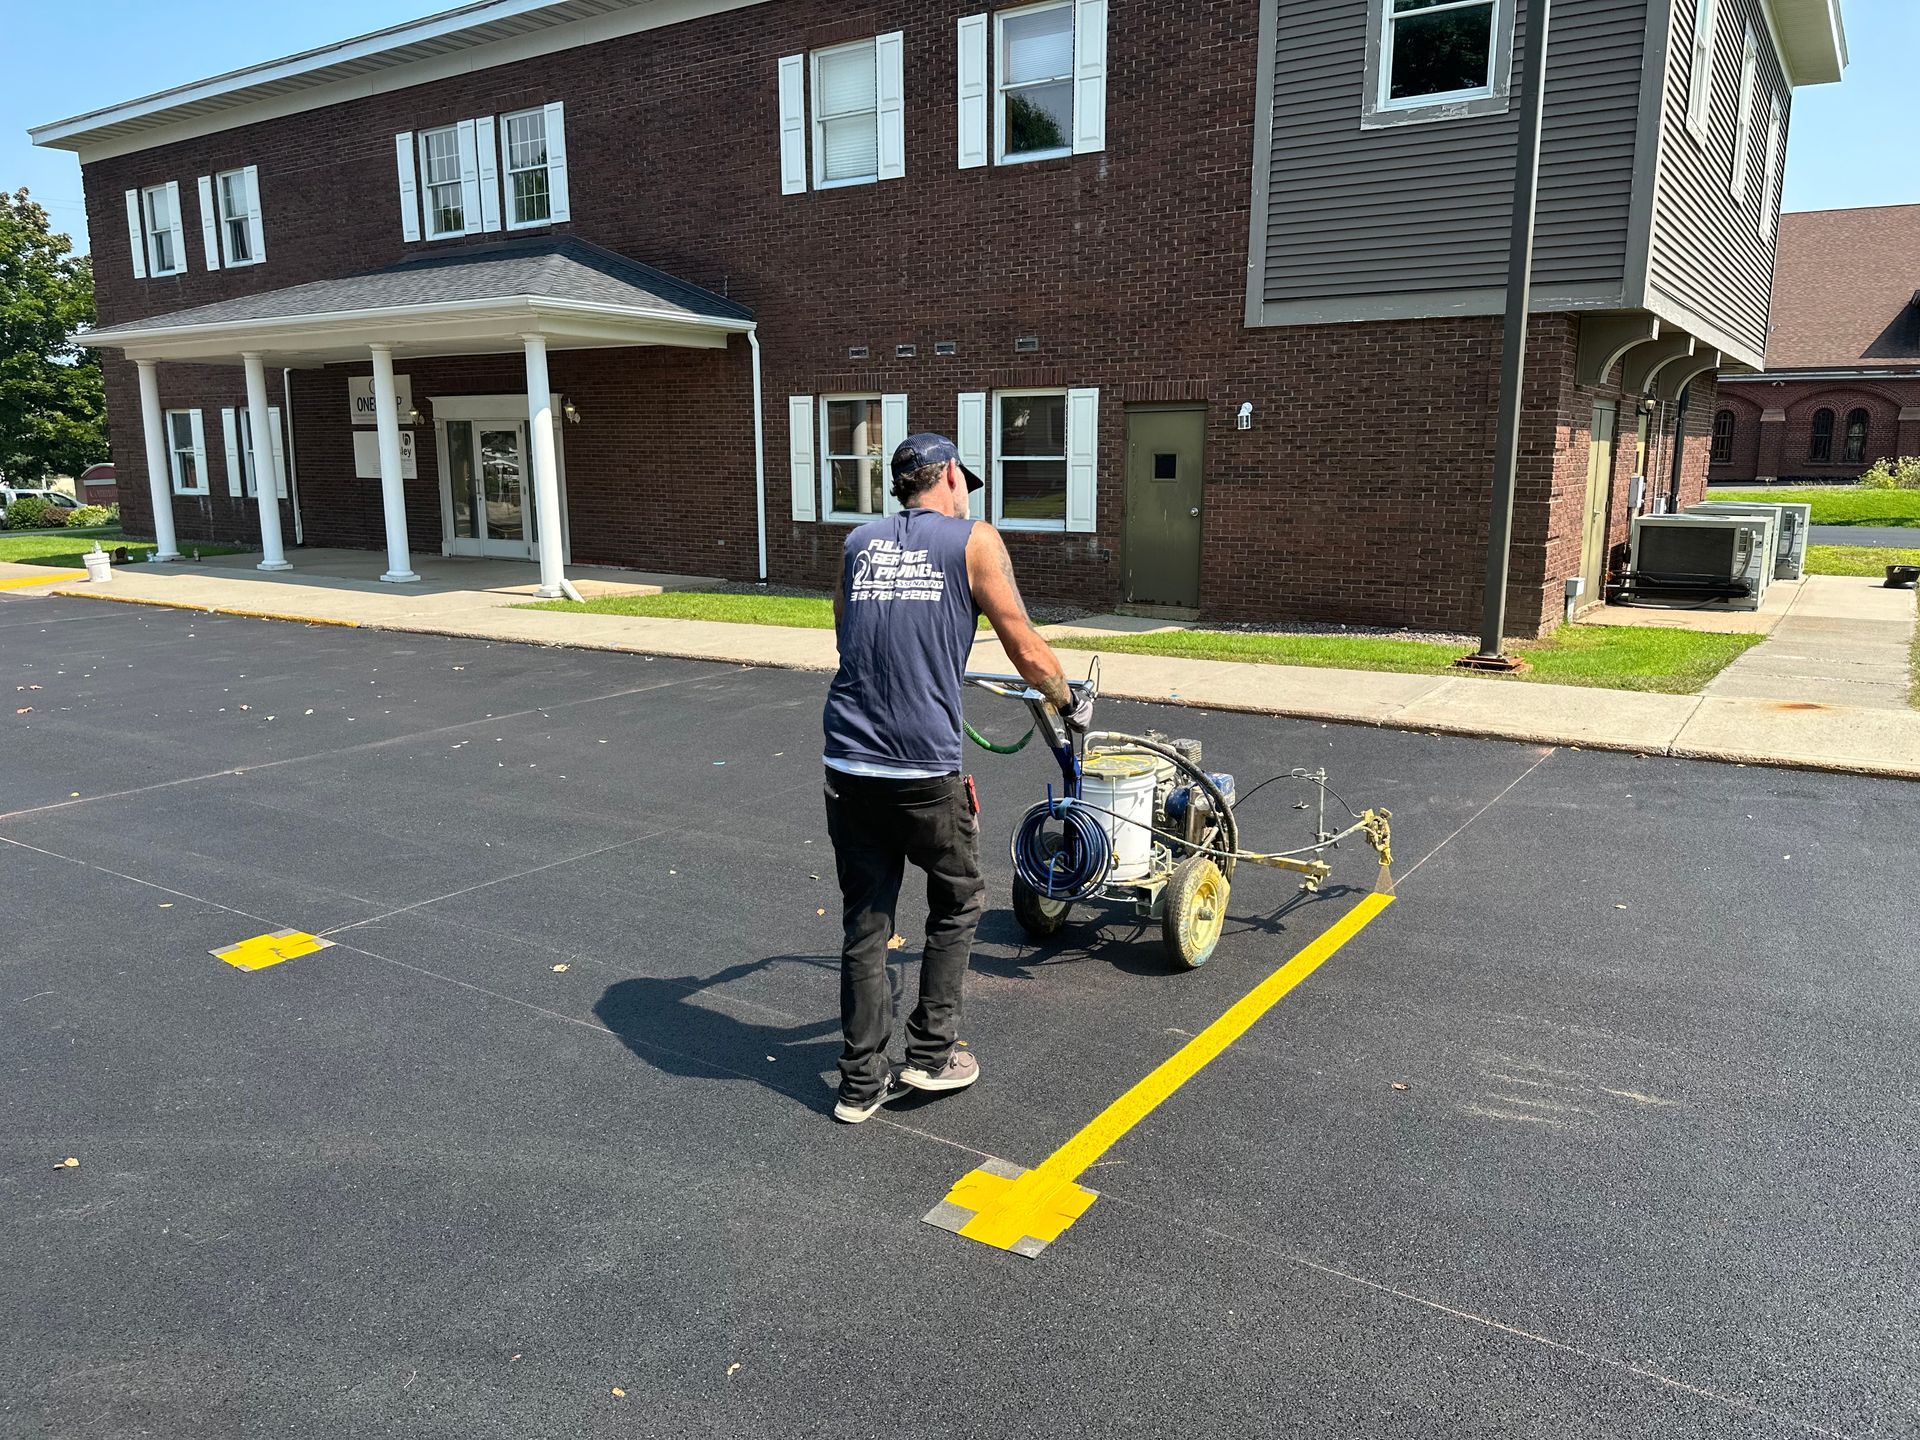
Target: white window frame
{"x": 820, "y": 118}
{"x": 1000, "y": 87}
{"x": 832, "y": 515}
{"x": 508, "y": 171}
{"x": 1743, "y": 117}
{"x": 197, "y": 447}
{"x": 175, "y": 231}
{"x": 429, "y": 212}
{"x": 1379, "y": 108}
{"x": 248, "y": 217}
{"x": 1706, "y": 39}
{"x": 243, "y": 431}
{"x": 1000, "y": 520}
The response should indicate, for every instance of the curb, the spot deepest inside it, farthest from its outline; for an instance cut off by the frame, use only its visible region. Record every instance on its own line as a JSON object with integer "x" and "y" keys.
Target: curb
{"x": 211, "y": 609}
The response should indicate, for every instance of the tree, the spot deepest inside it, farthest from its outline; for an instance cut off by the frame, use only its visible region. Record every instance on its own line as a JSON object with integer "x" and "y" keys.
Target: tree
{"x": 52, "y": 402}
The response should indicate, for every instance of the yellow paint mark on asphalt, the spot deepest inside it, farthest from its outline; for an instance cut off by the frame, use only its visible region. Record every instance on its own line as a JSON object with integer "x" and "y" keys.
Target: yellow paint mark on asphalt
{"x": 1025, "y": 1210}
{"x": 264, "y": 950}
{"x": 52, "y": 577}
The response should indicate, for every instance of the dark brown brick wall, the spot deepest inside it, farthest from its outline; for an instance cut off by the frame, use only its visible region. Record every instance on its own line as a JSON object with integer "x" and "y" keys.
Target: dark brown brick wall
{"x": 1360, "y": 494}
{"x": 1781, "y": 448}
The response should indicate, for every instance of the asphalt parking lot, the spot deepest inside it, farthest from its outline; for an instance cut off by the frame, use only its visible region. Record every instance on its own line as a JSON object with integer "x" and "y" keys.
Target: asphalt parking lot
{"x": 540, "y": 1146}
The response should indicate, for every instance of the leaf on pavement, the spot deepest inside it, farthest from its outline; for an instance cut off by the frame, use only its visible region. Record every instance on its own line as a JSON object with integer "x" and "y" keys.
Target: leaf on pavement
{"x": 558, "y": 968}
{"x": 1401, "y": 1085}
{"x": 70, "y": 1163}
{"x": 897, "y": 942}
{"x": 618, "y": 1393}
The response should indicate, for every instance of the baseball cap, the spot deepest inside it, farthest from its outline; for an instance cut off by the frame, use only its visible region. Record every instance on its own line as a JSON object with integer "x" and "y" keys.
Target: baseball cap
{"x": 928, "y": 449}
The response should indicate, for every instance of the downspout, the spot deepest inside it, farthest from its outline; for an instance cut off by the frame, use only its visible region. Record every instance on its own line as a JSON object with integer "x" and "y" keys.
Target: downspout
{"x": 293, "y": 462}
{"x": 759, "y": 454}
{"x": 1679, "y": 450}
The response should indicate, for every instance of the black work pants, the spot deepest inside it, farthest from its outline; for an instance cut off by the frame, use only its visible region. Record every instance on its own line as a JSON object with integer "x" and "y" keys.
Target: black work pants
{"x": 877, "y": 826}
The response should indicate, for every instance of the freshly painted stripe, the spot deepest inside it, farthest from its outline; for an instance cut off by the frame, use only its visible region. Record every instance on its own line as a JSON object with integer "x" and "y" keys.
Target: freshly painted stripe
{"x": 52, "y": 577}
{"x": 1024, "y": 1212}
{"x": 261, "y": 951}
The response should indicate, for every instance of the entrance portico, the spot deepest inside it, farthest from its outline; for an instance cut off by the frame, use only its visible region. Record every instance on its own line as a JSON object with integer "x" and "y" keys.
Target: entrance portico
{"x": 519, "y": 297}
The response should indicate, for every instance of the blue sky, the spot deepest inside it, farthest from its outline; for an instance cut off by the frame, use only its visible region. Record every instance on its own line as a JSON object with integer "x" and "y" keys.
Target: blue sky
{"x": 66, "y": 58}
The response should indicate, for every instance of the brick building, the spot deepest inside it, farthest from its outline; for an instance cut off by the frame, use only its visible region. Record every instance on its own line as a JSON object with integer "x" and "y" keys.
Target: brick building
{"x": 1210, "y": 291}
{"x": 1842, "y": 384}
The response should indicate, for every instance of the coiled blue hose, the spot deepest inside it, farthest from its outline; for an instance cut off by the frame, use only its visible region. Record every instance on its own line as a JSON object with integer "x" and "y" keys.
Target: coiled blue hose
{"x": 1069, "y": 865}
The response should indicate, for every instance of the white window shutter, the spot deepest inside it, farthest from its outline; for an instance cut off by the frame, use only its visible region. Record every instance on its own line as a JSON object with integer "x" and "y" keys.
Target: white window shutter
{"x": 409, "y": 187}
{"x": 800, "y": 456}
{"x": 890, "y": 61}
{"x": 1089, "y": 76}
{"x": 489, "y": 148}
{"x": 137, "y": 235}
{"x": 230, "y": 432}
{"x": 893, "y": 429}
{"x": 469, "y": 177}
{"x": 199, "y": 451}
{"x": 1083, "y": 453}
{"x": 971, "y": 71}
{"x": 561, "y": 206}
{"x": 209, "y": 223}
{"x": 279, "y": 452}
{"x": 970, "y": 431}
{"x": 793, "y": 125}
{"x": 179, "y": 229}
{"x": 256, "y": 230}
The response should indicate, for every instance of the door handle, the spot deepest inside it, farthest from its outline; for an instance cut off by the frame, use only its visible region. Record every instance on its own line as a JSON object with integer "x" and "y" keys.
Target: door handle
{"x": 1195, "y": 512}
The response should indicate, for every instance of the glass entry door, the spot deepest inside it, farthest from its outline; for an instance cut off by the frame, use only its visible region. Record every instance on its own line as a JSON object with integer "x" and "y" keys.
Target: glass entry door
{"x": 489, "y": 489}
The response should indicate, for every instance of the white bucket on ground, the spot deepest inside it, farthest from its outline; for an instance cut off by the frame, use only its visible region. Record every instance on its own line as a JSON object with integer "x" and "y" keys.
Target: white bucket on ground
{"x": 99, "y": 565}
{"x": 1120, "y": 785}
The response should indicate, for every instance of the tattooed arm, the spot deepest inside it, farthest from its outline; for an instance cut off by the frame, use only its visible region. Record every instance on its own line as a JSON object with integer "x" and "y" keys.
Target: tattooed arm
{"x": 990, "y": 572}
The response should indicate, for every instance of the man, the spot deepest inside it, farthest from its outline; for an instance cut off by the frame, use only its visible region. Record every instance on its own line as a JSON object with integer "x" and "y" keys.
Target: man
{"x": 912, "y": 588}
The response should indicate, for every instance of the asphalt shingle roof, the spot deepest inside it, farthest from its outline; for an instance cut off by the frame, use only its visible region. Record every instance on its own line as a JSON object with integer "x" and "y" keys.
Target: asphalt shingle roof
{"x": 546, "y": 268}
{"x": 1844, "y": 287}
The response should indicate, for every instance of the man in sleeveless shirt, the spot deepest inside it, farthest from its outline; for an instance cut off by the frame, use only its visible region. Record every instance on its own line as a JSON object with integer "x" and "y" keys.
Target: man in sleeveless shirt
{"x": 912, "y": 587}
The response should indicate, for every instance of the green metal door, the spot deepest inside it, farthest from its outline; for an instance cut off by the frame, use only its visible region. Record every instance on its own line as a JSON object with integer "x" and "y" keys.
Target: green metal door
{"x": 1164, "y": 450}
{"x": 1598, "y": 516}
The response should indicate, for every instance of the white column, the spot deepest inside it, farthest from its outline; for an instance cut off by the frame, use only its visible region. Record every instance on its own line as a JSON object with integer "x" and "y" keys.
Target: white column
{"x": 546, "y": 476}
{"x": 273, "y": 555}
{"x": 393, "y": 484}
{"x": 159, "y": 475}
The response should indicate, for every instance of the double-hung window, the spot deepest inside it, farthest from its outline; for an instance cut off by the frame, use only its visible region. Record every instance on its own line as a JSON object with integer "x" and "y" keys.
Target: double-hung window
{"x": 1853, "y": 449}
{"x": 1743, "y": 117}
{"x": 529, "y": 182}
{"x": 237, "y": 205}
{"x": 1820, "y": 437}
{"x": 1706, "y": 26}
{"x": 846, "y": 115}
{"x": 166, "y": 255}
{"x": 187, "y": 452}
{"x": 446, "y": 206}
{"x": 1722, "y": 437}
{"x": 1438, "y": 59}
{"x": 1034, "y": 74}
{"x": 1030, "y": 461}
{"x": 853, "y": 447}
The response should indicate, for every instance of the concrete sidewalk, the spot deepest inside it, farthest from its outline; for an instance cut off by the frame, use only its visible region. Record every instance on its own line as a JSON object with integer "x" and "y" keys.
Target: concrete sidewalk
{"x": 476, "y": 599}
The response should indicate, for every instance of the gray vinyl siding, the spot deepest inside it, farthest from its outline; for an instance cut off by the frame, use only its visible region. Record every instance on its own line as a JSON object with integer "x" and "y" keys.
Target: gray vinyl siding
{"x": 1711, "y": 259}
{"x": 1421, "y": 212}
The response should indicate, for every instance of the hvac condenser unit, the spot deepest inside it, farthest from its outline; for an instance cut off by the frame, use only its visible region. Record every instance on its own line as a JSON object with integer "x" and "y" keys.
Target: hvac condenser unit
{"x": 1790, "y": 556}
{"x": 1725, "y": 560}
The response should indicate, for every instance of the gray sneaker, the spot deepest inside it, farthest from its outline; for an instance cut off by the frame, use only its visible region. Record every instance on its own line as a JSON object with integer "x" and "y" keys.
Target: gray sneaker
{"x": 859, "y": 1113}
{"x": 960, "y": 1071}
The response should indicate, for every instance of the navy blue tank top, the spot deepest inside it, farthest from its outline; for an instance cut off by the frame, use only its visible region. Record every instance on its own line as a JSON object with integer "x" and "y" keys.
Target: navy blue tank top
{"x": 906, "y": 629}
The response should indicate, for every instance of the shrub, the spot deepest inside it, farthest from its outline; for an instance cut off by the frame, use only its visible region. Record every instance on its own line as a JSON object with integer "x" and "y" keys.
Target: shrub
{"x": 1901, "y": 474}
{"x": 30, "y": 512}
{"x": 87, "y": 515}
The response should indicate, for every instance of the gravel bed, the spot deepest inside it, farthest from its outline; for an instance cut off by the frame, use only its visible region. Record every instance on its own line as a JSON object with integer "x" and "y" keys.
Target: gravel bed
{"x": 1040, "y": 614}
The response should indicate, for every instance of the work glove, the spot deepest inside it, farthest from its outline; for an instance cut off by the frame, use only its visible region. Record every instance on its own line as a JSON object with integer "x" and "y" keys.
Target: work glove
{"x": 1079, "y": 718}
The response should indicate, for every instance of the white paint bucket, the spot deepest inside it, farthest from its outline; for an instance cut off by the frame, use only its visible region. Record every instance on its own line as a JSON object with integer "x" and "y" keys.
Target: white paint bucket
{"x": 99, "y": 565}
{"x": 1120, "y": 785}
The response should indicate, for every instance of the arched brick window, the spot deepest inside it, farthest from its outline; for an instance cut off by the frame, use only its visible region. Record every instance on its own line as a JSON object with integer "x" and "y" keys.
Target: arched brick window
{"x": 1723, "y": 437}
{"x": 1854, "y": 452}
{"x": 1820, "y": 443}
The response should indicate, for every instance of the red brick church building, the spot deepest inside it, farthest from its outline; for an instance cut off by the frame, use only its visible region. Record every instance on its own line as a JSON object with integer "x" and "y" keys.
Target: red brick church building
{"x": 1842, "y": 384}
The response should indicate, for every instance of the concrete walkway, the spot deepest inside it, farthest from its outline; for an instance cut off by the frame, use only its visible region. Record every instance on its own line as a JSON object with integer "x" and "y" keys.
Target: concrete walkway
{"x": 477, "y": 598}
{"x": 1841, "y": 641}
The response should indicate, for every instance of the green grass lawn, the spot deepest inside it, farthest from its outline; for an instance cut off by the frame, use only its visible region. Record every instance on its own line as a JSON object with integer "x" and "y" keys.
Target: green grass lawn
{"x": 1856, "y": 560}
{"x": 1840, "y": 504}
{"x": 792, "y": 611}
{"x": 64, "y": 548}
{"x": 1611, "y": 657}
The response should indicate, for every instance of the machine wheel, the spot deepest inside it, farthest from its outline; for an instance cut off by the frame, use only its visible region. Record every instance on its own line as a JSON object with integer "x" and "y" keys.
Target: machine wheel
{"x": 1038, "y": 916}
{"x": 1195, "y": 911}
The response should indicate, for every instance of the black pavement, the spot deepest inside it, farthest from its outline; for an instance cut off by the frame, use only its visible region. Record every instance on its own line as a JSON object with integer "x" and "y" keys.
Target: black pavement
{"x": 549, "y": 1121}
{"x": 1880, "y": 537}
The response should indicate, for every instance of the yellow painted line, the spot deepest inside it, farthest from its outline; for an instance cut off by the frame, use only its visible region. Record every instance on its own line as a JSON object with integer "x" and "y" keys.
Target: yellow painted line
{"x": 1023, "y": 1211}
{"x": 214, "y": 609}
{"x": 52, "y": 577}
{"x": 261, "y": 951}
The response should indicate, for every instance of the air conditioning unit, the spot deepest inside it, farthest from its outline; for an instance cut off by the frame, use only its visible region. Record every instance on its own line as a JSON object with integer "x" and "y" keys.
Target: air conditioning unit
{"x": 1721, "y": 560}
{"x": 1790, "y": 556}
